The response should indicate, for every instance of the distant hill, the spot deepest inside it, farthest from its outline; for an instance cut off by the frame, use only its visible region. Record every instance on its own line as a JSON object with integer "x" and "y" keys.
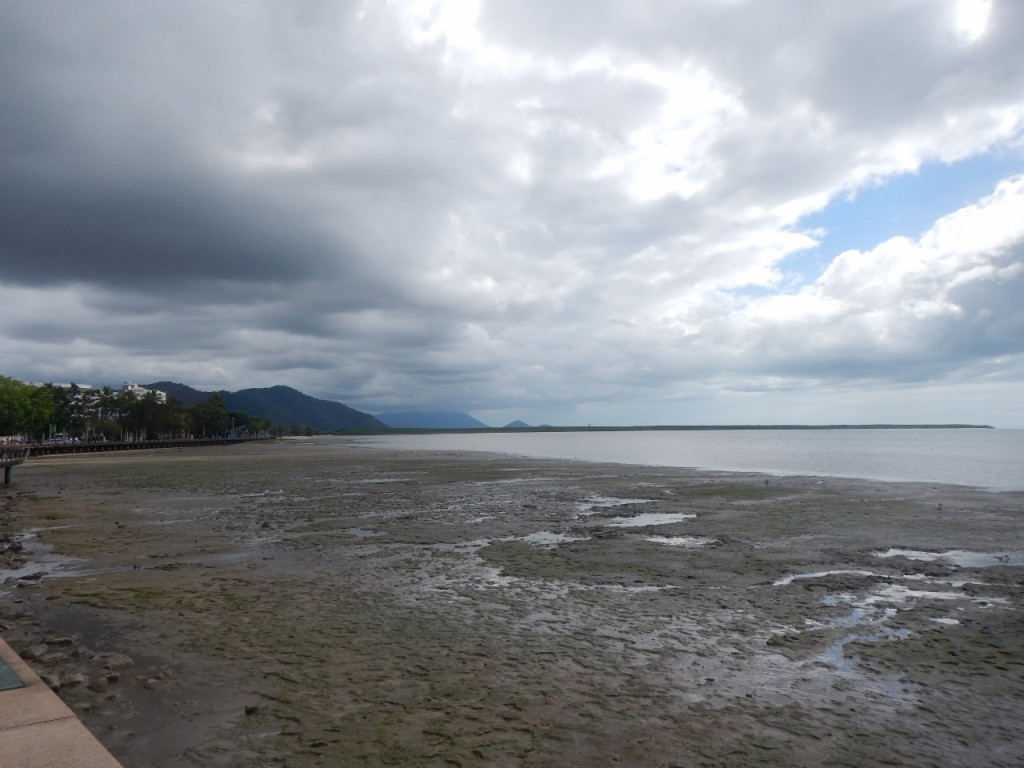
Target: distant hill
{"x": 279, "y": 405}
{"x": 287, "y": 406}
{"x": 516, "y": 425}
{"x": 430, "y": 420}
{"x": 186, "y": 395}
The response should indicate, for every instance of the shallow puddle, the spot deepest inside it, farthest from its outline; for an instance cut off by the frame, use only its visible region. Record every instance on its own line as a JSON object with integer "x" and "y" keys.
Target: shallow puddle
{"x": 627, "y": 590}
{"x": 41, "y": 562}
{"x": 549, "y": 538}
{"x": 651, "y": 518}
{"x": 595, "y": 503}
{"x": 896, "y": 593}
{"x": 871, "y": 619}
{"x": 818, "y": 575}
{"x": 46, "y": 566}
{"x": 849, "y": 667}
{"x": 689, "y": 542}
{"x": 961, "y": 557}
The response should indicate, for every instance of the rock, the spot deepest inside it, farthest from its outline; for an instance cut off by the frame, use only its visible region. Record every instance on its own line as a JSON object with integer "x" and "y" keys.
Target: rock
{"x": 251, "y": 709}
{"x": 73, "y": 680}
{"x": 51, "y": 680}
{"x": 113, "y": 661}
{"x": 52, "y": 659}
{"x": 34, "y": 652}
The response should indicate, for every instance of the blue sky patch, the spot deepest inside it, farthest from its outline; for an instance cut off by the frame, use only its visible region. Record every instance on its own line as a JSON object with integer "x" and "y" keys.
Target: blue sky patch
{"x": 907, "y": 205}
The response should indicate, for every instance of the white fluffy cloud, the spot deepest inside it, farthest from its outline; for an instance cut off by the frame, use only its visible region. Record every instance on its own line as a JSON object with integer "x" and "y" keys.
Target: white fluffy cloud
{"x": 943, "y": 301}
{"x": 547, "y": 211}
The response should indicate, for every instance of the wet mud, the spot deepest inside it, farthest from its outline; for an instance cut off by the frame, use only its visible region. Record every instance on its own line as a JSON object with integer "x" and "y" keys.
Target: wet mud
{"x": 315, "y": 603}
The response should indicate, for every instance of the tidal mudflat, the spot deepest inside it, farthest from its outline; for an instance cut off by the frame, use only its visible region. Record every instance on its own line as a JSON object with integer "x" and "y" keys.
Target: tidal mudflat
{"x": 313, "y": 603}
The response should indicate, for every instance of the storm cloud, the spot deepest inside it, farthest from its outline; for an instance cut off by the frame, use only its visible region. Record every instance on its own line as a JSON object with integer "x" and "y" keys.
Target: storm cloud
{"x": 564, "y": 212}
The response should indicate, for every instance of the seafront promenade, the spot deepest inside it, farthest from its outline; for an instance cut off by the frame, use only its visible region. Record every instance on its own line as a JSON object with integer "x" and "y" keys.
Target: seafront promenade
{"x": 12, "y": 455}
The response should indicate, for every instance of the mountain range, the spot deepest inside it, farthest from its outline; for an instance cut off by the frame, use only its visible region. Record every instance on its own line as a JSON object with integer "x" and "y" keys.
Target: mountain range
{"x": 279, "y": 405}
{"x": 289, "y": 408}
{"x": 430, "y": 420}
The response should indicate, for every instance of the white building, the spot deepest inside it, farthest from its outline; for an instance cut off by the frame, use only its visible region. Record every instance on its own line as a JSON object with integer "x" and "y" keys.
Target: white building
{"x": 138, "y": 391}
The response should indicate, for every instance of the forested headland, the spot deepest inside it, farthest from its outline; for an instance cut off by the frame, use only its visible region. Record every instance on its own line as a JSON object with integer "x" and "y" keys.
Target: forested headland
{"x": 40, "y": 413}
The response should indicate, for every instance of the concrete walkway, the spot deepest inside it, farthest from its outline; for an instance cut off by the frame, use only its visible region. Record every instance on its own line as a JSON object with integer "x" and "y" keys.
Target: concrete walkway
{"x": 38, "y": 730}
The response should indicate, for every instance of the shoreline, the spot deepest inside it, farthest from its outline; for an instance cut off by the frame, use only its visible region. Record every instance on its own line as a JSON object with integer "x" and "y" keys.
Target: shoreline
{"x": 326, "y": 604}
{"x": 1006, "y": 476}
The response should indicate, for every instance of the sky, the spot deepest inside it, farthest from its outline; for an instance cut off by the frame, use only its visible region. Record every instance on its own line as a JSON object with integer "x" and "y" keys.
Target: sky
{"x": 609, "y": 212}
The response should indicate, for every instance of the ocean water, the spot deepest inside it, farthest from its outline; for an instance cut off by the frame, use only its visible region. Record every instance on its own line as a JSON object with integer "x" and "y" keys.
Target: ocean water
{"x": 986, "y": 458}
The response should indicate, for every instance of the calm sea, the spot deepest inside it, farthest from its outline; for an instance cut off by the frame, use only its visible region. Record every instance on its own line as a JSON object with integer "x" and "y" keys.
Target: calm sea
{"x": 988, "y": 458}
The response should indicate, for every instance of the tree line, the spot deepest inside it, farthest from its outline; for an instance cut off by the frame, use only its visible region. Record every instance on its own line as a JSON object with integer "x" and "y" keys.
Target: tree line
{"x": 47, "y": 412}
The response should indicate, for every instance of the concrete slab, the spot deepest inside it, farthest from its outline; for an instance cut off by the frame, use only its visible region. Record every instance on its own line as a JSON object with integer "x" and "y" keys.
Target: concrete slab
{"x": 55, "y": 744}
{"x": 38, "y": 730}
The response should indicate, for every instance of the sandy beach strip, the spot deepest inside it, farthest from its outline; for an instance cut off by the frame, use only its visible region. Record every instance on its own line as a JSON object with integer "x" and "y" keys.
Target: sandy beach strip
{"x": 315, "y": 603}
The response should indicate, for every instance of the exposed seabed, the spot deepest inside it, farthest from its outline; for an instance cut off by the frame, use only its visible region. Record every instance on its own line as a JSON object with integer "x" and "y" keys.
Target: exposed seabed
{"x": 310, "y": 604}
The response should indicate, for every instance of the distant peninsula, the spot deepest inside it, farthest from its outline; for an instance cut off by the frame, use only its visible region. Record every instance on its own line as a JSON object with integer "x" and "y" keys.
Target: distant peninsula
{"x": 792, "y": 426}
{"x": 520, "y": 427}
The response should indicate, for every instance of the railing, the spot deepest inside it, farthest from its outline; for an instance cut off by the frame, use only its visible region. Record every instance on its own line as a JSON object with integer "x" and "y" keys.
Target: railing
{"x": 51, "y": 449}
{"x": 10, "y": 456}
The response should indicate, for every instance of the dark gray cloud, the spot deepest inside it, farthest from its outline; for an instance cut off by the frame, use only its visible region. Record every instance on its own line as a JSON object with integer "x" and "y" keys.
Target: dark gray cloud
{"x": 544, "y": 211}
